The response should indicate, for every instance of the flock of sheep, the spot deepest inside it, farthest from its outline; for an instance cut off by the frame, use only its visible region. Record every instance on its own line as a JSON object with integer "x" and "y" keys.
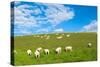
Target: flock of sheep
{"x": 58, "y": 50}
{"x": 37, "y": 52}
{"x": 48, "y": 36}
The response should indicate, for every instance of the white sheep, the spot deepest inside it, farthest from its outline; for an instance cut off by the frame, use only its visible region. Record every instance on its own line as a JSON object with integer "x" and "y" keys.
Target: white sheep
{"x": 62, "y": 34}
{"x": 57, "y": 33}
{"x": 37, "y": 54}
{"x": 45, "y": 35}
{"x": 60, "y": 37}
{"x": 58, "y": 50}
{"x": 48, "y": 37}
{"x": 68, "y": 48}
{"x": 41, "y": 36}
{"x": 68, "y": 35}
{"x": 89, "y": 44}
{"x": 39, "y": 49}
{"x": 29, "y": 52}
{"x": 46, "y": 51}
{"x": 15, "y": 51}
{"x": 38, "y": 36}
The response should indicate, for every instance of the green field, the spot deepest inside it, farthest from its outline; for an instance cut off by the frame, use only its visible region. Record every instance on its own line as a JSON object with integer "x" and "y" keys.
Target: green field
{"x": 78, "y": 41}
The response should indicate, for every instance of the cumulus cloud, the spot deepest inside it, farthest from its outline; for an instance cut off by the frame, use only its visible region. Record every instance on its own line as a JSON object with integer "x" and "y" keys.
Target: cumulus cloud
{"x": 92, "y": 27}
{"x": 58, "y": 13}
{"x": 39, "y": 15}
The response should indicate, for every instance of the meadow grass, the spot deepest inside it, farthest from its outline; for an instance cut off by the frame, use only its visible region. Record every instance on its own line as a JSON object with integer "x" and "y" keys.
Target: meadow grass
{"x": 78, "y": 41}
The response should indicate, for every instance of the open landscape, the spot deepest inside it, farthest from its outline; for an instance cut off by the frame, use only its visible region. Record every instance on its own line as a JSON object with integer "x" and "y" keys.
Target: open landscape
{"x": 49, "y": 33}
{"x": 79, "y": 42}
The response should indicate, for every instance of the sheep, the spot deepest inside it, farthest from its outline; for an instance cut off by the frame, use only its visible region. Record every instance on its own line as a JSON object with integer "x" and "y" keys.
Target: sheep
{"x": 29, "y": 52}
{"x": 68, "y": 48}
{"x": 39, "y": 49}
{"x": 37, "y": 54}
{"x": 58, "y": 50}
{"x": 46, "y": 51}
{"x": 68, "y": 35}
{"x": 47, "y": 37}
{"x": 60, "y": 37}
{"x": 38, "y": 36}
{"x": 89, "y": 44}
{"x": 41, "y": 36}
{"x": 57, "y": 33}
{"x": 62, "y": 34}
{"x": 15, "y": 51}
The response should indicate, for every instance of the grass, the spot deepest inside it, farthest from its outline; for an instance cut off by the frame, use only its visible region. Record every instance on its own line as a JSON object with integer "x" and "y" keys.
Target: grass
{"x": 78, "y": 41}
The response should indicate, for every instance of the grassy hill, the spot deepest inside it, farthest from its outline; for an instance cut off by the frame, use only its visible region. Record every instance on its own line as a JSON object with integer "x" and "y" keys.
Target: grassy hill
{"x": 78, "y": 41}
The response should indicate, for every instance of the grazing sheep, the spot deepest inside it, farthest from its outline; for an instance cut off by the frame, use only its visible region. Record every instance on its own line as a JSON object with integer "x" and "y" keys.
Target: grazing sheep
{"x": 68, "y": 48}
{"x": 39, "y": 49}
{"x": 41, "y": 36}
{"x": 89, "y": 44}
{"x": 60, "y": 37}
{"x": 68, "y": 35}
{"x": 62, "y": 34}
{"x": 57, "y": 33}
{"x": 48, "y": 37}
{"x": 58, "y": 50}
{"x": 29, "y": 52}
{"x": 37, "y": 54}
{"x": 38, "y": 36}
{"x": 46, "y": 51}
{"x": 15, "y": 51}
{"x": 45, "y": 35}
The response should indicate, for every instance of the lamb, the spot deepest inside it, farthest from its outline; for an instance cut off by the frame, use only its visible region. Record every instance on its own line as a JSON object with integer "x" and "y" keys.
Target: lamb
{"x": 60, "y": 37}
{"x": 48, "y": 37}
{"x": 41, "y": 36}
{"x": 15, "y": 51}
{"x": 29, "y": 52}
{"x": 46, "y": 51}
{"x": 37, "y": 54}
{"x": 89, "y": 44}
{"x": 58, "y": 50}
{"x": 39, "y": 49}
{"x": 68, "y": 35}
{"x": 68, "y": 48}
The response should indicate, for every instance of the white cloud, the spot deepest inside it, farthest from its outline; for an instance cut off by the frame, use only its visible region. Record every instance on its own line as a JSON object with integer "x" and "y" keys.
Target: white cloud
{"x": 92, "y": 27}
{"x": 21, "y": 31}
{"x": 58, "y": 30}
{"x": 29, "y": 16}
{"x": 58, "y": 13}
{"x": 43, "y": 30}
{"x": 26, "y": 22}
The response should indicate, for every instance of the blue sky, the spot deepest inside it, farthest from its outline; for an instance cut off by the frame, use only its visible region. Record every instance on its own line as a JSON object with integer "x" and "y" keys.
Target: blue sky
{"x": 38, "y": 18}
